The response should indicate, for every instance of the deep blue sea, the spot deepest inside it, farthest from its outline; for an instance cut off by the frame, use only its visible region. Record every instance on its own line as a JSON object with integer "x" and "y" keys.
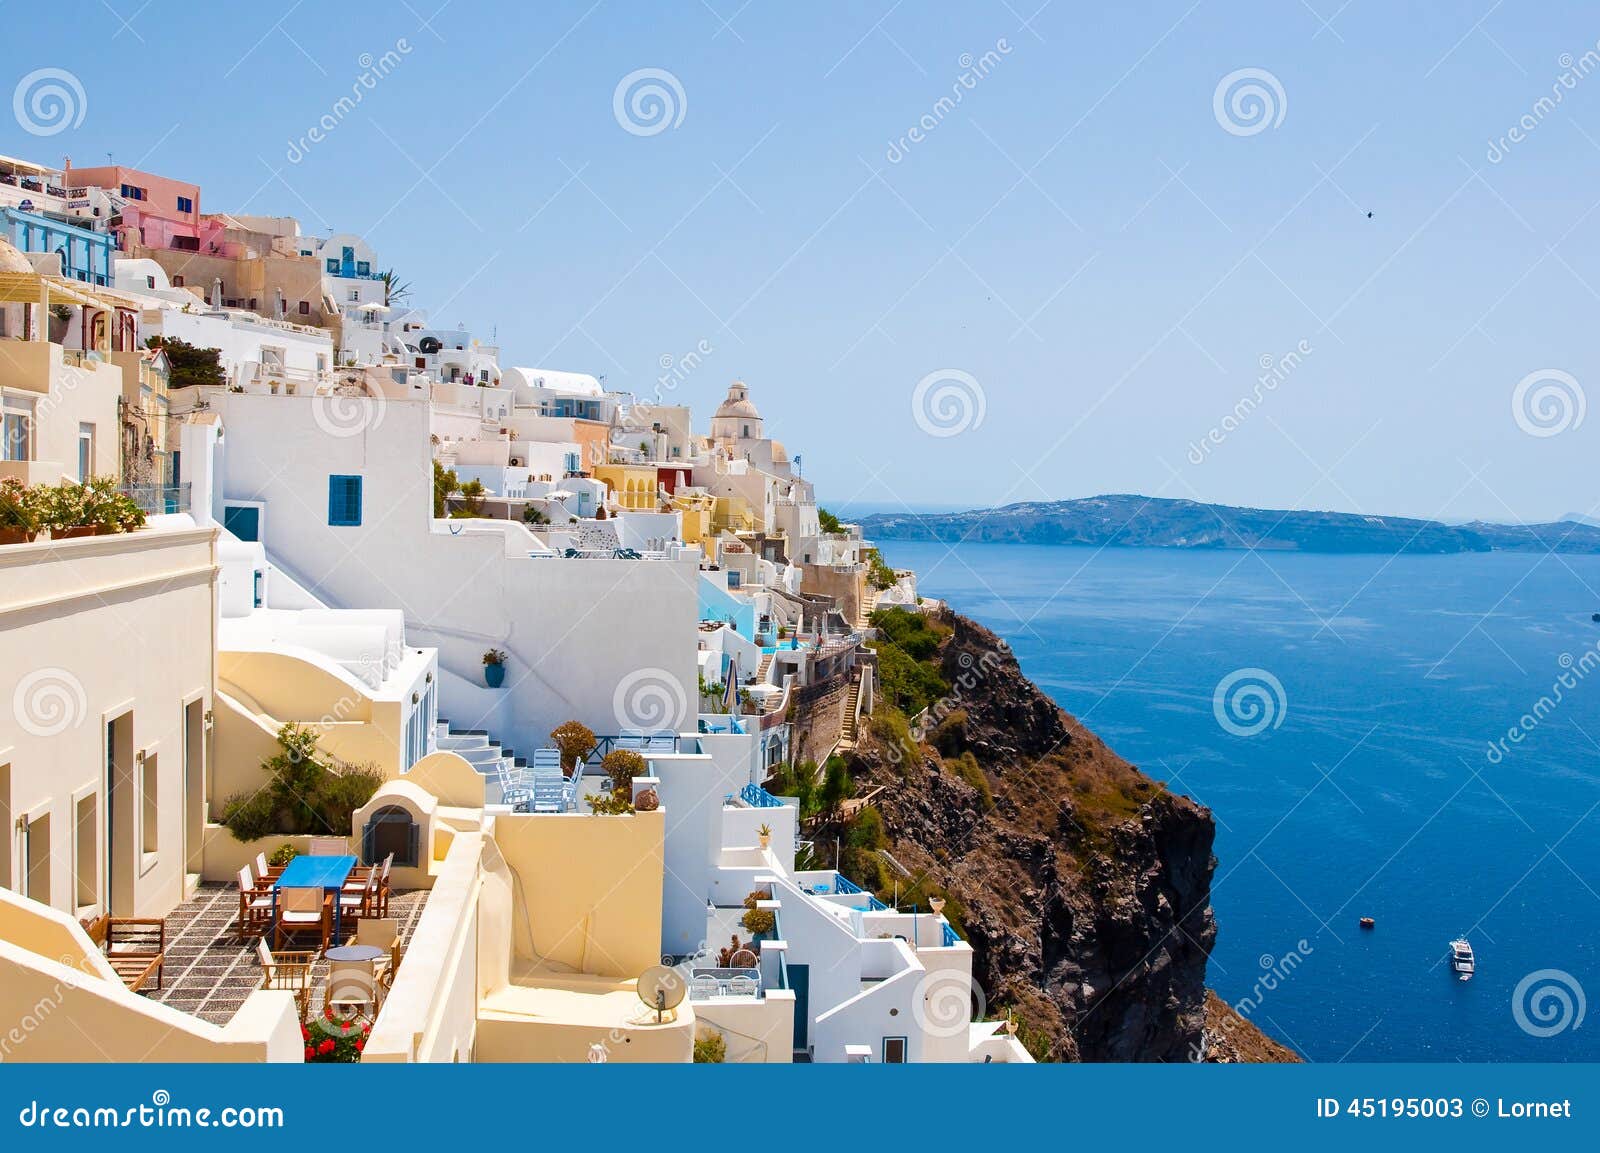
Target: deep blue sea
{"x": 1370, "y": 791}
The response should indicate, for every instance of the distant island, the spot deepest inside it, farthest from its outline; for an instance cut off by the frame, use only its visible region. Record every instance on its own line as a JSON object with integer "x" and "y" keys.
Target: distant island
{"x": 1154, "y": 522}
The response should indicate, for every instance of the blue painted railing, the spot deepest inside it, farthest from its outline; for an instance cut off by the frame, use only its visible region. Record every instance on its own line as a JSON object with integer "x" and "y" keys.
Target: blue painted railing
{"x": 842, "y": 884}
{"x": 950, "y": 937}
{"x": 758, "y": 798}
{"x": 876, "y": 905}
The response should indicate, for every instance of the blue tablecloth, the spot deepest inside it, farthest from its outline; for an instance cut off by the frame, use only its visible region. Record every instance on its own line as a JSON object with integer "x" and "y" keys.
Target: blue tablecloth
{"x": 316, "y": 873}
{"x": 325, "y": 873}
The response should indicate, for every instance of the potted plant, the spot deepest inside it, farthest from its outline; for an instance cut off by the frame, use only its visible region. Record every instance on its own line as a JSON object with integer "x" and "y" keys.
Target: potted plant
{"x": 65, "y": 509}
{"x": 765, "y": 833}
{"x": 108, "y": 510}
{"x": 494, "y": 668}
{"x": 19, "y": 512}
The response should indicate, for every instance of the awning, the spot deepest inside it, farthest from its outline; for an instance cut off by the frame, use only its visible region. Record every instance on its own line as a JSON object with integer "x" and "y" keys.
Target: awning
{"x": 32, "y": 288}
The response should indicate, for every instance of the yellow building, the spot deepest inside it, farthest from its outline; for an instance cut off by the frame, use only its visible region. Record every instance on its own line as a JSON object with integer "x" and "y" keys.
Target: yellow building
{"x": 633, "y": 486}
{"x": 696, "y": 507}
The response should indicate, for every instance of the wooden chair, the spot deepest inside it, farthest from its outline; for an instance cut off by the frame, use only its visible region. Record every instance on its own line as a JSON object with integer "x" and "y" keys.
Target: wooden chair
{"x": 354, "y": 905}
{"x": 255, "y": 904}
{"x": 266, "y": 873}
{"x": 352, "y": 986}
{"x": 382, "y": 933}
{"x": 139, "y": 954}
{"x": 330, "y": 847}
{"x": 303, "y": 910}
{"x": 288, "y": 971}
{"x": 383, "y": 886}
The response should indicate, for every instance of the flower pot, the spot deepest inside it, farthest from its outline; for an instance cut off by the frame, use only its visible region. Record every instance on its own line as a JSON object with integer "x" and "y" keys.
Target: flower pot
{"x": 494, "y": 675}
{"x": 73, "y": 533}
{"x": 16, "y": 535}
{"x": 766, "y": 840}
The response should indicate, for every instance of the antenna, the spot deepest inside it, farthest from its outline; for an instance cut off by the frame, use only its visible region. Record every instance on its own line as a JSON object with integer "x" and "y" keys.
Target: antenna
{"x": 661, "y": 989}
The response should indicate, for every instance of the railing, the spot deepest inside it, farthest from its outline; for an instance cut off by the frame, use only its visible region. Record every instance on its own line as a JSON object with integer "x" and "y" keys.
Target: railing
{"x": 843, "y": 884}
{"x": 950, "y": 936}
{"x": 758, "y": 798}
{"x": 158, "y": 499}
{"x": 708, "y": 982}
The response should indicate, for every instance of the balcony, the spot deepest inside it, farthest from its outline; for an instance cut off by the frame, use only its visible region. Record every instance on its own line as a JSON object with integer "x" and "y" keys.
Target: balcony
{"x": 711, "y": 983}
{"x": 159, "y": 499}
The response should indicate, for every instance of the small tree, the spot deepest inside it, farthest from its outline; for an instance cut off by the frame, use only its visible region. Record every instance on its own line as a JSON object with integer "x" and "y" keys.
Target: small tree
{"x": 445, "y": 482}
{"x": 575, "y": 740}
{"x": 189, "y": 365}
{"x": 836, "y": 784}
{"x": 756, "y": 920}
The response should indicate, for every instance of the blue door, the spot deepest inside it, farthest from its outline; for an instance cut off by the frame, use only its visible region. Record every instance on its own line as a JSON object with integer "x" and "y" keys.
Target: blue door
{"x": 242, "y": 521}
{"x": 800, "y": 982}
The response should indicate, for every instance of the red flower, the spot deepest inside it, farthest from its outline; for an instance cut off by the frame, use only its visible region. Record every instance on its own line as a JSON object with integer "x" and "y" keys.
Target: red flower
{"x": 305, "y": 1034}
{"x": 310, "y": 1054}
{"x": 360, "y": 1045}
{"x": 326, "y": 1047}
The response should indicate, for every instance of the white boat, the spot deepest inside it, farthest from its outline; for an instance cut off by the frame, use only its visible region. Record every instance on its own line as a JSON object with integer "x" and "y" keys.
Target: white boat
{"x": 1461, "y": 959}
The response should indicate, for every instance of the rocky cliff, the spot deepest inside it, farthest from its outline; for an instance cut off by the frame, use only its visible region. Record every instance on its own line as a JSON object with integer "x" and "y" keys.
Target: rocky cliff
{"x": 1083, "y": 886}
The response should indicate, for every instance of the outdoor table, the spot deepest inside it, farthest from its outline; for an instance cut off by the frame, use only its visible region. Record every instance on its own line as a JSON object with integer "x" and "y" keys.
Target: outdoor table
{"x": 305, "y": 872}
{"x": 356, "y": 953}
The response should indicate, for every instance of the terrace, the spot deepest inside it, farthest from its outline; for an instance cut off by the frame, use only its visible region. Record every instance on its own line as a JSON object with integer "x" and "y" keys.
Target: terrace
{"x": 210, "y": 969}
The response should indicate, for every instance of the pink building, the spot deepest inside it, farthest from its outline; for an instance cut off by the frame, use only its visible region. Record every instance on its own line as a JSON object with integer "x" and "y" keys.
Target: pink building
{"x": 158, "y": 212}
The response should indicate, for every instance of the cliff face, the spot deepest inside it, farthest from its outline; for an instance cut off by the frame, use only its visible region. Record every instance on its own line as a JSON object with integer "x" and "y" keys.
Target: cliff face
{"x": 1083, "y": 886}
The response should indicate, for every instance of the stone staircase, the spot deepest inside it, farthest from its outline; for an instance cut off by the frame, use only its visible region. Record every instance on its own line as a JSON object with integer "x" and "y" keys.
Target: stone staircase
{"x": 479, "y": 749}
{"x": 764, "y": 668}
{"x": 847, "y": 733}
{"x": 869, "y": 602}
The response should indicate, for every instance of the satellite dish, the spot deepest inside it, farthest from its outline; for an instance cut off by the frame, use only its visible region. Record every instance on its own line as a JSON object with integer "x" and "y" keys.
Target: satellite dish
{"x": 661, "y": 988}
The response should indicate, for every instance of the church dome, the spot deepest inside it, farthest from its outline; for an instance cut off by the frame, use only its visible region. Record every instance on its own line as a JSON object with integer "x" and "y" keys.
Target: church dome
{"x": 737, "y": 405}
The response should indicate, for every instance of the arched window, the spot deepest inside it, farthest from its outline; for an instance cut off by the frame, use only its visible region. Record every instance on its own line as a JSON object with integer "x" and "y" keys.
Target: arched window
{"x": 390, "y": 830}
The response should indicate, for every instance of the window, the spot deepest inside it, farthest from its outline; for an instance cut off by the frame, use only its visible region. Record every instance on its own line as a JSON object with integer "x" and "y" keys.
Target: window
{"x": 344, "y": 501}
{"x": 86, "y": 842}
{"x": 363, "y": 268}
{"x": 17, "y": 429}
{"x": 185, "y": 204}
{"x": 305, "y": 308}
{"x": 36, "y": 858}
{"x": 177, "y": 281}
{"x": 573, "y": 462}
{"x": 132, "y": 192}
{"x": 894, "y": 1050}
{"x": 333, "y": 266}
{"x": 354, "y": 296}
{"x": 243, "y": 521}
{"x": 85, "y": 452}
{"x": 149, "y": 805}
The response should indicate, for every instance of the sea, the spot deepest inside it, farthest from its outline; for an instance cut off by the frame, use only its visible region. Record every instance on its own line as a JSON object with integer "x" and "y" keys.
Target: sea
{"x": 1411, "y": 739}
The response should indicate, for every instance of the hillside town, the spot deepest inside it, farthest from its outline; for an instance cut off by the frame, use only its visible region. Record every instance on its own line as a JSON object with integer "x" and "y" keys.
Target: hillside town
{"x": 368, "y": 695}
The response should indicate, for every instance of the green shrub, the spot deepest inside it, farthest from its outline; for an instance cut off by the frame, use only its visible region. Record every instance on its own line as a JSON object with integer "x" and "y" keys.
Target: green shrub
{"x": 304, "y": 793}
{"x": 756, "y": 920}
{"x": 710, "y": 1048}
{"x": 283, "y": 854}
{"x": 968, "y": 769}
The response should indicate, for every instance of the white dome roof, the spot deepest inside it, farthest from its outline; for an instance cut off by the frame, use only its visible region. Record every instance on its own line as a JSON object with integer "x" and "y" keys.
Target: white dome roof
{"x": 575, "y": 382}
{"x": 11, "y": 260}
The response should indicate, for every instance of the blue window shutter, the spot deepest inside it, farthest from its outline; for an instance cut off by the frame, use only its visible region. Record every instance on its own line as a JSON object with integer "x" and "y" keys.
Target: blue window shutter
{"x": 344, "y": 501}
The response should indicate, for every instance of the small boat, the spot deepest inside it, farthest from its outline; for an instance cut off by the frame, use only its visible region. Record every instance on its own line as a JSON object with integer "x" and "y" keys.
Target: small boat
{"x": 1461, "y": 959}
{"x": 1367, "y": 923}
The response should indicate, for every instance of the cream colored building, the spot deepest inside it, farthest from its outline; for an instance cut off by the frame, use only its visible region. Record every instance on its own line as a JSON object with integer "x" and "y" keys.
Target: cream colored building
{"x": 107, "y": 646}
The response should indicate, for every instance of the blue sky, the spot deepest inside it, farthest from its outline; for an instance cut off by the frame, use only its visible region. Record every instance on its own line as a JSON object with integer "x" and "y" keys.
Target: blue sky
{"x": 1082, "y": 236}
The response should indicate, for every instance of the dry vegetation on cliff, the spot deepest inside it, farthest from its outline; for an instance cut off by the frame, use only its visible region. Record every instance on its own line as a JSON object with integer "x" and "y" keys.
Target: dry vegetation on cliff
{"x": 1083, "y": 886}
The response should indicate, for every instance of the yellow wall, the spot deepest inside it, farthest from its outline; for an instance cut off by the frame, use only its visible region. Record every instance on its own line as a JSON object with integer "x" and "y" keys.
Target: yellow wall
{"x": 589, "y": 888}
{"x": 350, "y": 725}
{"x": 633, "y": 485}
